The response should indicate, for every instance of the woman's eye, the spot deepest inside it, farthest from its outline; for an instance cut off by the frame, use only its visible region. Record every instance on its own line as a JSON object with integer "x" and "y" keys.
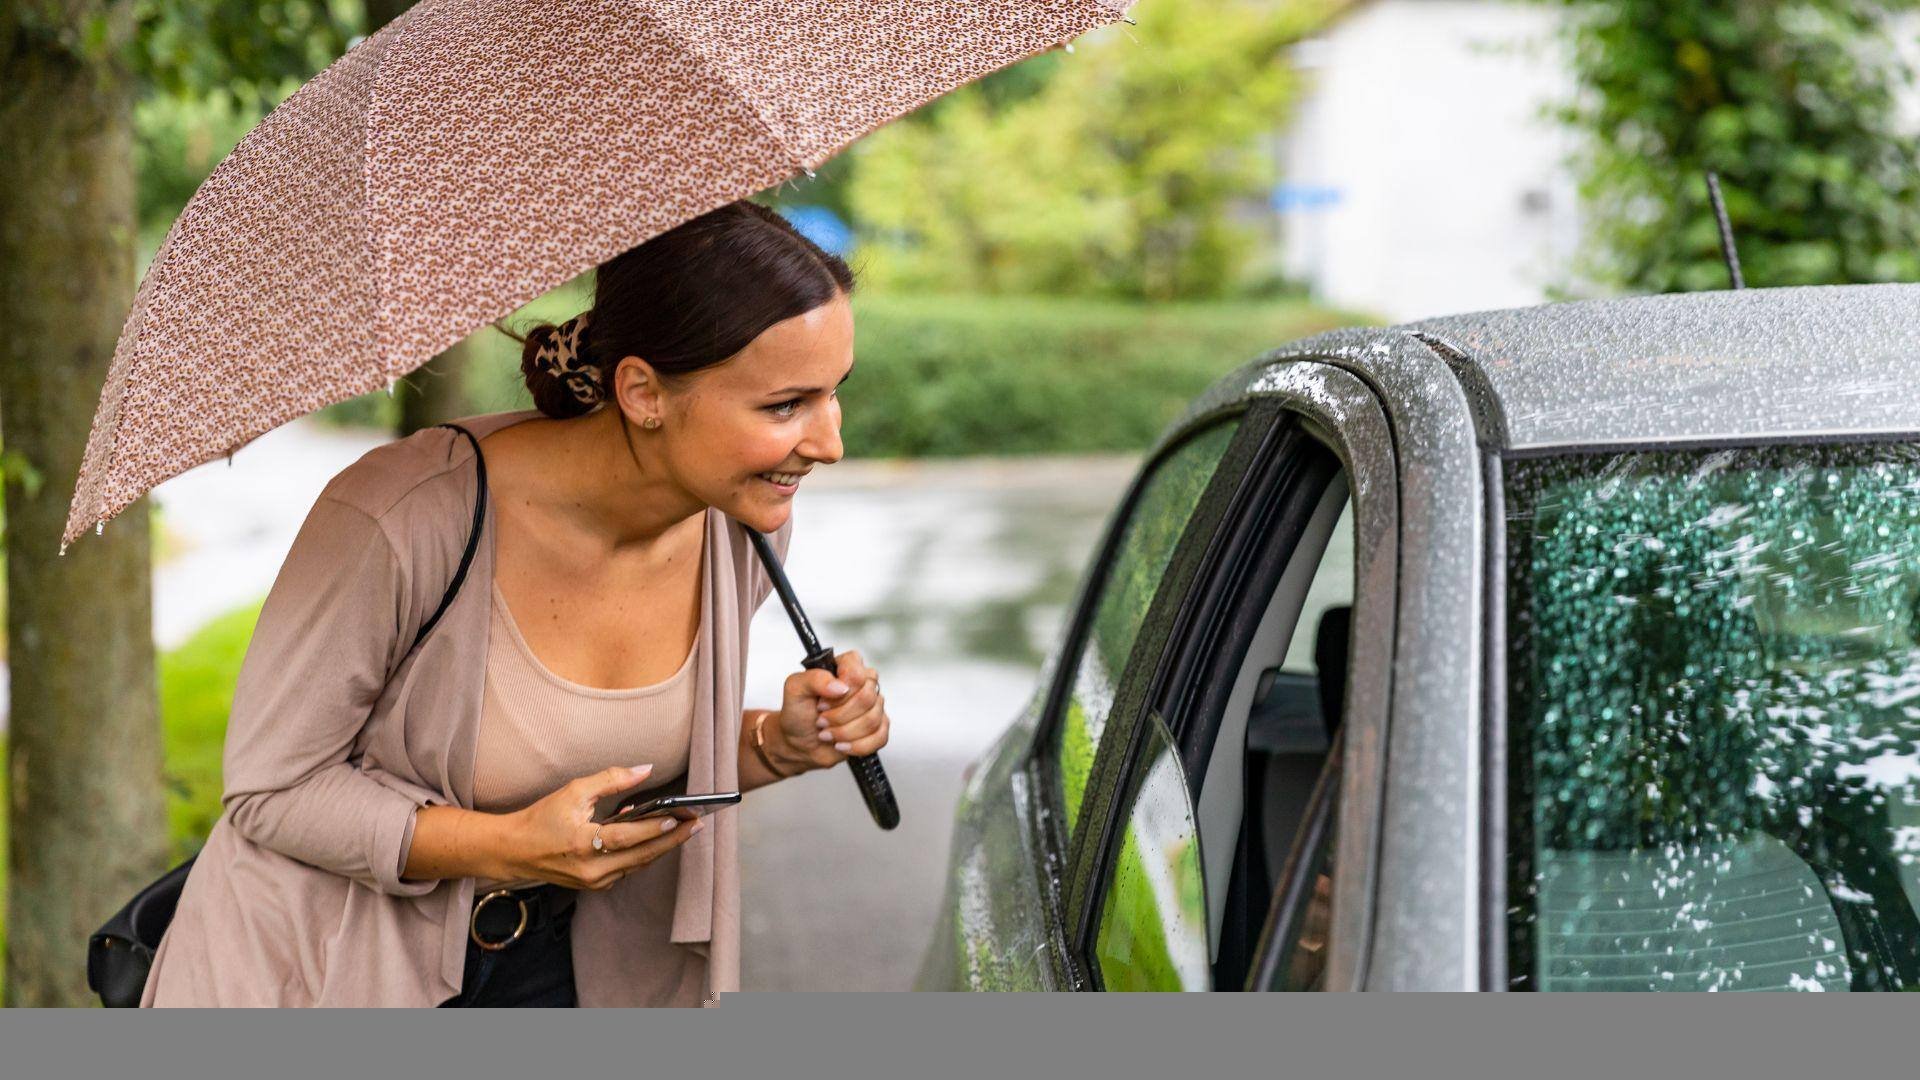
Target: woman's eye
{"x": 784, "y": 408}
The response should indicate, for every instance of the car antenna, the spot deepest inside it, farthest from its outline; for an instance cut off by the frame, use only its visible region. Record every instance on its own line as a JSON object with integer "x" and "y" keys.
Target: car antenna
{"x": 1726, "y": 229}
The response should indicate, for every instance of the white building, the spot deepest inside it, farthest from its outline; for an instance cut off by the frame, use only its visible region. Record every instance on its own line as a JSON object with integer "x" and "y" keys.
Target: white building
{"x": 1422, "y": 177}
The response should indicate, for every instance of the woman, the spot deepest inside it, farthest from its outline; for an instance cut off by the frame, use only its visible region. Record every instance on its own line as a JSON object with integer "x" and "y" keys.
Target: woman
{"x": 411, "y": 825}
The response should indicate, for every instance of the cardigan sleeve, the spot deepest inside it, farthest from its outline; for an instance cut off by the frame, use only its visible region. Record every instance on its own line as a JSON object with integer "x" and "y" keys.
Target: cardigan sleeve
{"x": 332, "y": 629}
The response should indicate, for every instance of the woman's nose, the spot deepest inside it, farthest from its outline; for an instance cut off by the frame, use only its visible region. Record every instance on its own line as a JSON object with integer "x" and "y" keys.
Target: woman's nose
{"x": 822, "y": 443}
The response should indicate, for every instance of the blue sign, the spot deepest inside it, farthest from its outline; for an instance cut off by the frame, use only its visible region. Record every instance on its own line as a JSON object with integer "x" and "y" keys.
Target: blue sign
{"x": 822, "y": 226}
{"x": 1291, "y": 197}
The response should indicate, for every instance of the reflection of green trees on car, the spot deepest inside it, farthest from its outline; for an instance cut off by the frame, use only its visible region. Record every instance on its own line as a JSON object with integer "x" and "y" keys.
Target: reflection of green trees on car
{"x": 1153, "y": 922}
{"x": 1158, "y": 519}
{"x": 1718, "y": 644}
{"x": 1076, "y": 758}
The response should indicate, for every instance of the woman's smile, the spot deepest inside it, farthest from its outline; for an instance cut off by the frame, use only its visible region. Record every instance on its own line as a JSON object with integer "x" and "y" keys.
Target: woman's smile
{"x": 786, "y": 483}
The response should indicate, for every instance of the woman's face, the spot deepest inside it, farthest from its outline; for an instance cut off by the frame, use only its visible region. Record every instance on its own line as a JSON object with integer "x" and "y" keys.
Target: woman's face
{"x": 772, "y": 408}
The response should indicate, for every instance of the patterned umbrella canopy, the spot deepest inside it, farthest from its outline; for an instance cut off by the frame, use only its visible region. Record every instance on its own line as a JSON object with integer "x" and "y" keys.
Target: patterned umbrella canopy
{"x": 474, "y": 154}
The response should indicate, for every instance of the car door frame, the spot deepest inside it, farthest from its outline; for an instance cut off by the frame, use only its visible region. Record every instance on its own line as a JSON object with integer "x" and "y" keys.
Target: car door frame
{"x": 1306, "y": 402}
{"x": 1347, "y": 416}
{"x": 1428, "y": 928}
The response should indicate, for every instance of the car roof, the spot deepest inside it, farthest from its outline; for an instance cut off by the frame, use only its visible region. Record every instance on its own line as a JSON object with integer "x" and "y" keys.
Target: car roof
{"x": 1753, "y": 365}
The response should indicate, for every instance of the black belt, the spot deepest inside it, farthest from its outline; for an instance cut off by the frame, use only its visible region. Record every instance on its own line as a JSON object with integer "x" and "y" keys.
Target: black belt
{"x": 503, "y": 916}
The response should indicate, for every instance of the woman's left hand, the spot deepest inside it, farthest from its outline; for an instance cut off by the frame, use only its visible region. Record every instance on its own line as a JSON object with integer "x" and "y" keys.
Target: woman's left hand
{"x": 825, "y": 728}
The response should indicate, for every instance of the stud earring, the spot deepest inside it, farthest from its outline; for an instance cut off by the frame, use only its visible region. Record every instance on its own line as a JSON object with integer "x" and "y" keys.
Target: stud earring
{"x": 651, "y": 422}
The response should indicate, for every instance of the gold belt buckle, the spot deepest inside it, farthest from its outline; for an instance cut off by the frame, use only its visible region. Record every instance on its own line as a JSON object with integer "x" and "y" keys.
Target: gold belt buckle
{"x": 473, "y": 923}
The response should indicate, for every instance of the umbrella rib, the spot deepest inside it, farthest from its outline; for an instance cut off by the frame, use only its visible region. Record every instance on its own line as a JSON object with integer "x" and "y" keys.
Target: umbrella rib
{"x": 795, "y": 163}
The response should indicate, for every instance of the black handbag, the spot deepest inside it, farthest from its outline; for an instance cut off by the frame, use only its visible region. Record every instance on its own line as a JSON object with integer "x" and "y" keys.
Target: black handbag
{"x": 120, "y": 953}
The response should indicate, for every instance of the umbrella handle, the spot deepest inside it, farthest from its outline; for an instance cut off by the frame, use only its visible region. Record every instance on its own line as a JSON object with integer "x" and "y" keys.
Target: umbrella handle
{"x": 867, "y": 772}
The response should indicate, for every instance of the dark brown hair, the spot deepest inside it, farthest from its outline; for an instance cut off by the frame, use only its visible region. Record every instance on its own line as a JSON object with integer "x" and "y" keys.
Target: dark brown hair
{"x": 690, "y": 298}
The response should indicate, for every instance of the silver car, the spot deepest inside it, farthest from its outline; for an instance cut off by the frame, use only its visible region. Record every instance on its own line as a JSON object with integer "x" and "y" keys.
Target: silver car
{"x": 1567, "y": 648}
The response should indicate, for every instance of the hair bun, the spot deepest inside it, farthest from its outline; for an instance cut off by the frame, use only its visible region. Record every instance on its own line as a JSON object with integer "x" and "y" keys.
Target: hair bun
{"x": 562, "y": 377}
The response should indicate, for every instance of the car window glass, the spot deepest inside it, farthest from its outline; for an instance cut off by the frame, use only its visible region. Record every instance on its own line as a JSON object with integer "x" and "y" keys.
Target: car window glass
{"x": 1715, "y": 664}
{"x": 1146, "y": 546}
{"x": 1153, "y": 917}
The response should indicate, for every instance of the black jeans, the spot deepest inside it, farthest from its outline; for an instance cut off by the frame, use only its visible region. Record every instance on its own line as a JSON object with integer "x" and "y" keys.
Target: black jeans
{"x": 535, "y": 972}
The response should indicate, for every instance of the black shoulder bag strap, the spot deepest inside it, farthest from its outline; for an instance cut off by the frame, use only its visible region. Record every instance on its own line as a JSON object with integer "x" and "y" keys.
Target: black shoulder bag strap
{"x": 473, "y": 537}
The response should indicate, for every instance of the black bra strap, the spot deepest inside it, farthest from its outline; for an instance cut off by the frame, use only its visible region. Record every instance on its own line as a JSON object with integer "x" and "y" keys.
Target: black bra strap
{"x": 473, "y": 537}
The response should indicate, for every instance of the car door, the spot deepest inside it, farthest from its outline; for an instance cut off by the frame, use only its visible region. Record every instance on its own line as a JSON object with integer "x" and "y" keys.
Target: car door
{"x": 1168, "y": 514}
{"x": 1198, "y": 619}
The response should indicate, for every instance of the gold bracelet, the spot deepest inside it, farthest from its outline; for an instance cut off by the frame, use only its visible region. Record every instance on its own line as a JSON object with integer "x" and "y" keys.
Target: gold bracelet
{"x": 760, "y": 747}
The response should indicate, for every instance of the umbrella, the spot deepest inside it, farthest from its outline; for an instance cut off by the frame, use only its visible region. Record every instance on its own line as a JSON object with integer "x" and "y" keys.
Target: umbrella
{"x": 474, "y": 154}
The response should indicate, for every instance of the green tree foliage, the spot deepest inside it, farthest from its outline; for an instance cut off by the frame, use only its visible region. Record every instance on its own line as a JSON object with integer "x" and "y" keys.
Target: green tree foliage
{"x": 204, "y": 72}
{"x": 207, "y": 71}
{"x": 1118, "y": 170}
{"x": 257, "y": 51}
{"x": 1793, "y": 103}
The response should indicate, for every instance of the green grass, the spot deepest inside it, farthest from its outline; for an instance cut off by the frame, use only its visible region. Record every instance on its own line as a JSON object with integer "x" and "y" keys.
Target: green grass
{"x": 940, "y": 376}
{"x": 196, "y": 693}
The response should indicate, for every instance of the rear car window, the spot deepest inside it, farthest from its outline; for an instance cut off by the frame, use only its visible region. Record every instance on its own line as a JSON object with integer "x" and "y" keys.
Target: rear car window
{"x": 1714, "y": 663}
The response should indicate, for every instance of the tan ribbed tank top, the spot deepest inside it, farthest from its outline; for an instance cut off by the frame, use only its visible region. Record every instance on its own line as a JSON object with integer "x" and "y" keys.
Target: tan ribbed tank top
{"x": 538, "y": 730}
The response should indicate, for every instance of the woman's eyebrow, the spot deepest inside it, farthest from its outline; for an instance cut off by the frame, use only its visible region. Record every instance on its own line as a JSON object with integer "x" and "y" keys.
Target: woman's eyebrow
{"x": 806, "y": 389}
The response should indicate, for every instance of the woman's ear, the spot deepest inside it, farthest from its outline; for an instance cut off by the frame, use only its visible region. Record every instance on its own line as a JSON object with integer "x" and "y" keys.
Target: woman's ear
{"x": 638, "y": 393}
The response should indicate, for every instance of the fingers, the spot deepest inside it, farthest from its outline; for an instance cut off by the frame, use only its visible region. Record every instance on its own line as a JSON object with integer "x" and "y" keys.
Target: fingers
{"x": 860, "y": 701}
{"x": 613, "y": 779}
{"x": 853, "y": 670}
{"x": 606, "y": 868}
{"x": 631, "y": 833}
{"x": 863, "y": 714}
{"x": 861, "y": 747}
{"x": 857, "y": 728}
{"x": 803, "y": 688}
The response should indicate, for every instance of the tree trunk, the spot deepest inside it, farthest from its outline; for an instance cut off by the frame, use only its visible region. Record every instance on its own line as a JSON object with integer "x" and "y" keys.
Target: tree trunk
{"x": 88, "y": 814}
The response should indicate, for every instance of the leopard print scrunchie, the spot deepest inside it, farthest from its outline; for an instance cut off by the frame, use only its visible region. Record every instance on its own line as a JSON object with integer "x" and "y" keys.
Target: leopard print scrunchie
{"x": 559, "y": 356}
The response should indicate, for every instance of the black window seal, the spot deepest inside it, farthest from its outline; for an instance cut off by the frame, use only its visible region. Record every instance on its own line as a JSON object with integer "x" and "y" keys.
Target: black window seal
{"x": 1260, "y": 543}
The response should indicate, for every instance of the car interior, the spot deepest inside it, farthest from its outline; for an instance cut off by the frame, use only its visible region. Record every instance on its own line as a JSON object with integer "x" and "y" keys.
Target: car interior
{"x": 1276, "y": 736}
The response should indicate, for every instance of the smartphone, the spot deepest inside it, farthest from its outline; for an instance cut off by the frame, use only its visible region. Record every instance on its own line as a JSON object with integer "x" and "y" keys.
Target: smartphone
{"x": 667, "y": 804}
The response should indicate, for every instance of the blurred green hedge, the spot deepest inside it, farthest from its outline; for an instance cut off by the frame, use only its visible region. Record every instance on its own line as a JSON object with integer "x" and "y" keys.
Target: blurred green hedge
{"x": 940, "y": 376}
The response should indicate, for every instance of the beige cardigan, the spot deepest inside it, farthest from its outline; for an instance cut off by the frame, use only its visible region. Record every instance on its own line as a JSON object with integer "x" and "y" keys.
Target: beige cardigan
{"x": 338, "y": 733}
